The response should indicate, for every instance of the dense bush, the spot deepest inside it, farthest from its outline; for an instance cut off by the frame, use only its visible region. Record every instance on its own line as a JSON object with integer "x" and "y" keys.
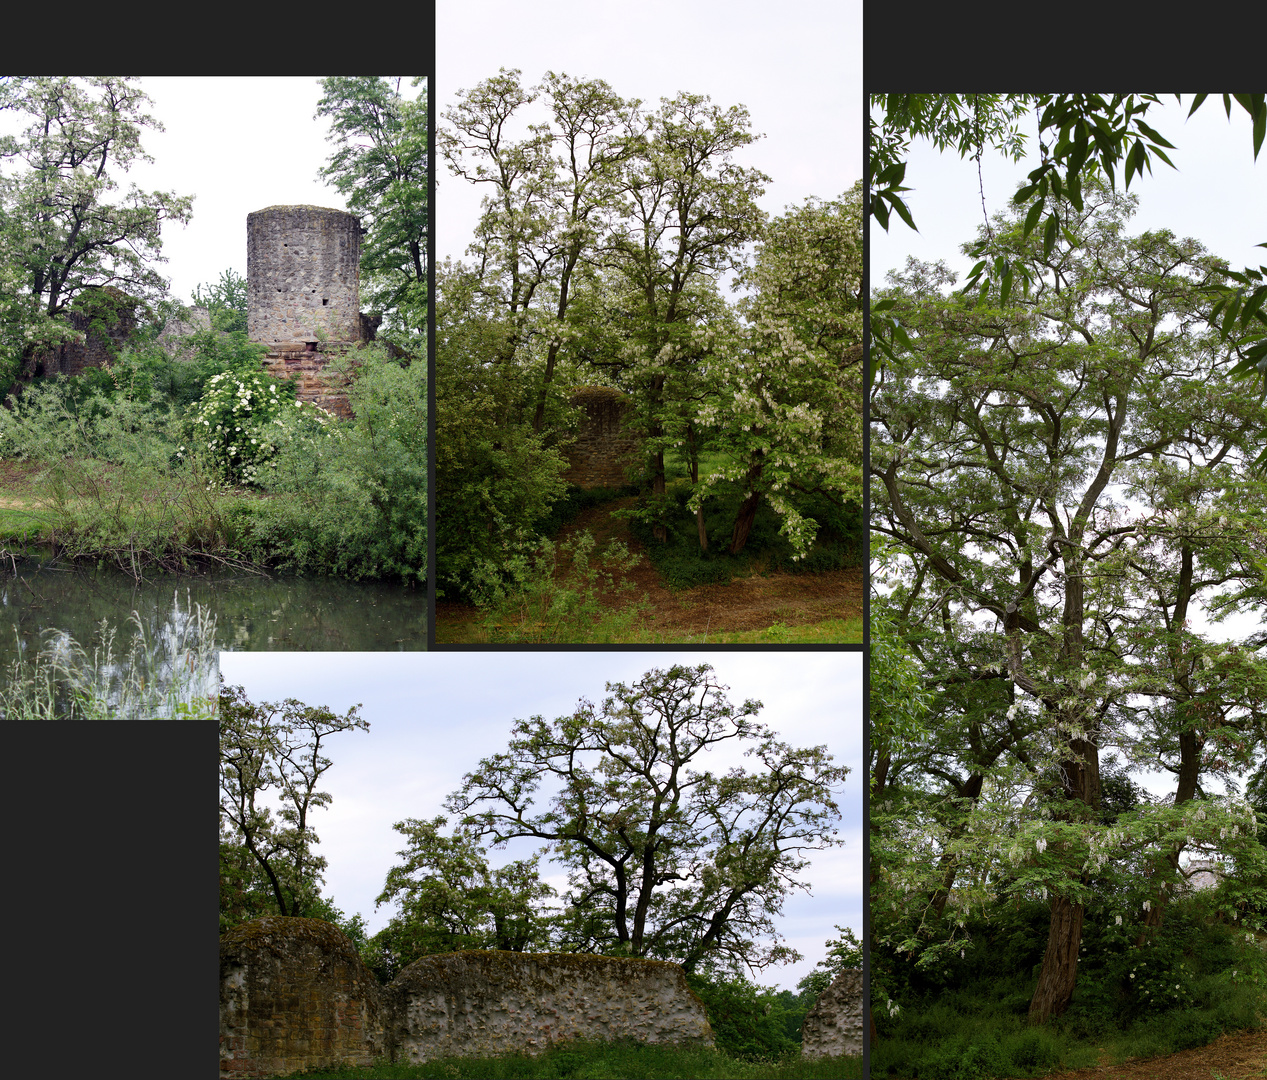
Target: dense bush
{"x": 748, "y": 1021}
{"x": 838, "y": 544}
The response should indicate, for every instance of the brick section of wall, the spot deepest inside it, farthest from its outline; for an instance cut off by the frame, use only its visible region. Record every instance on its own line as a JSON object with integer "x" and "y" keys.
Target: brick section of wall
{"x": 603, "y": 451}
{"x": 305, "y": 368}
{"x": 486, "y": 1003}
{"x": 303, "y": 274}
{"x": 294, "y": 994}
{"x": 834, "y": 1025}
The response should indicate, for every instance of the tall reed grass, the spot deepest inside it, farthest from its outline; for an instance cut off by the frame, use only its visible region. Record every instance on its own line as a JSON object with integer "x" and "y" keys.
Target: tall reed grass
{"x": 171, "y": 673}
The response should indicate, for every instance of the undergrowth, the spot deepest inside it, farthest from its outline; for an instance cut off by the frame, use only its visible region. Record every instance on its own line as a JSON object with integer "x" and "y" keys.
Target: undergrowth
{"x": 1186, "y": 986}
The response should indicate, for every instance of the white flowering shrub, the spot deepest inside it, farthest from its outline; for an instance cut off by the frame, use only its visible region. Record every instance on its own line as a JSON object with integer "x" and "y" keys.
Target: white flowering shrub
{"x": 242, "y": 417}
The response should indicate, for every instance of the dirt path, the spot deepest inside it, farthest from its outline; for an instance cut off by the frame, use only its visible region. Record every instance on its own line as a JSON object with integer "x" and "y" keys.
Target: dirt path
{"x": 1230, "y": 1057}
{"x": 751, "y": 603}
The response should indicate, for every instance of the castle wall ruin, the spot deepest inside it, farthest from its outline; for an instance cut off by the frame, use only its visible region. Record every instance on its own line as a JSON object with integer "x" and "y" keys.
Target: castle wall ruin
{"x": 486, "y": 1003}
{"x": 604, "y": 451}
{"x": 106, "y": 316}
{"x": 294, "y": 995}
{"x": 834, "y": 1025}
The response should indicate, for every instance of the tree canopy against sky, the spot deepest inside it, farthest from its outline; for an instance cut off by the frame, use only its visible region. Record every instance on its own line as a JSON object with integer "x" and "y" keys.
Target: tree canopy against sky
{"x": 60, "y": 230}
{"x": 1087, "y": 134}
{"x": 607, "y": 233}
{"x": 1061, "y": 480}
{"x": 380, "y": 167}
{"x": 666, "y": 859}
{"x": 273, "y": 750}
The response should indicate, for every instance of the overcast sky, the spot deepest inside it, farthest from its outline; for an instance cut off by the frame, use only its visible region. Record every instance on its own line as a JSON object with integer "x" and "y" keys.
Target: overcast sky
{"x": 433, "y": 716}
{"x": 1216, "y": 193}
{"x": 798, "y": 71}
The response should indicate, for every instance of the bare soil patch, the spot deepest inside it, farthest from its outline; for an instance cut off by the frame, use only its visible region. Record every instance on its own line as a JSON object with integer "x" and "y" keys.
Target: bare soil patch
{"x": 755, "y": 602}
{"x": 1230, "y": 1057}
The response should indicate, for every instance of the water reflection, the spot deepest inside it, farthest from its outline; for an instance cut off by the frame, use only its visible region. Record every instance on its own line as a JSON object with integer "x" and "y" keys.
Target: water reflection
{"x": 129, "y": 646}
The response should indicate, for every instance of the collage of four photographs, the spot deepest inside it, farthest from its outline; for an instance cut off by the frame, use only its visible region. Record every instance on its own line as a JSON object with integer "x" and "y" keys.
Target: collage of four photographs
{"x": 661, "y": 606}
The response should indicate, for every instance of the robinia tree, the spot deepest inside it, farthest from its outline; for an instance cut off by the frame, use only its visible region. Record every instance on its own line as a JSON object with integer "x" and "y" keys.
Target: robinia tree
{"x": 273, "y": 750}
{"x": 788, "y": 407}
{"x": 1063, "y": 481}
{"x": 666, "y": 859}
{"x": 61, "y": 231}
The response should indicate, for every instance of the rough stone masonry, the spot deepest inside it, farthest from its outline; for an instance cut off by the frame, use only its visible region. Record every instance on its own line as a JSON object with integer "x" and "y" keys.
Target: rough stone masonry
{"x": 834, "y": 1025}
{"x": 294, "y": 994}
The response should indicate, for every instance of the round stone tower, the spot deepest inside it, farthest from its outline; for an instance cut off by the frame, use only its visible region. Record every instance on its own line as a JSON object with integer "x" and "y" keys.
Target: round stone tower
{"x": 303, "y": 274}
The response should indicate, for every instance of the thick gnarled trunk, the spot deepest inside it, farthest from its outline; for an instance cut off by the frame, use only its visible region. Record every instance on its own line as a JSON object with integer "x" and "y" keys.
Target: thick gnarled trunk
{"x": 1059, "y": 973}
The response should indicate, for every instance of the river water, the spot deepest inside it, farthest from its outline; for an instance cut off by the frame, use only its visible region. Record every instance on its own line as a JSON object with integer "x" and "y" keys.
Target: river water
{"x": 100, "y": 624}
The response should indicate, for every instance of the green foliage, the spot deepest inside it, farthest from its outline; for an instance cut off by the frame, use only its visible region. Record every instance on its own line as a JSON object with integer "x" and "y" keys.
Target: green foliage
{"x": 838, "y": 544}
{"x": 631, "y": 813}
{"x": 974, "y": 1009}
{"x": 242, "y": 417}
{"x": 1039, "y": 609}
{"x": 225, "y": 300}
{"x": 618, "y": 1060}
{"x": 60, "y": 233}
{"x": 496, "y": 479}
{"x": 264, "y": 748}
{"x": 748, "y": 1021}
{"x": 842, "y": 952}
{"x": 546, "y": 602}
{"x": 450, "y": 899}
{"x": 380, "y": 167}
{"x": 350, "y": 497}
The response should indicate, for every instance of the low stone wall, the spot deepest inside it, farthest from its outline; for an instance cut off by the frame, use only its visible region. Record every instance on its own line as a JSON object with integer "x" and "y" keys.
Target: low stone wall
{"x": 486, "y": 1003}
{"x": 834, "y": 1025}
{"x": 603, "y": 451}
{"x": 294, "y": 994}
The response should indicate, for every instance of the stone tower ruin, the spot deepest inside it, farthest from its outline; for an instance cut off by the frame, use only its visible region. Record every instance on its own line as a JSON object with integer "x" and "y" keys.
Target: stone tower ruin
{"x": 303, "y": 275}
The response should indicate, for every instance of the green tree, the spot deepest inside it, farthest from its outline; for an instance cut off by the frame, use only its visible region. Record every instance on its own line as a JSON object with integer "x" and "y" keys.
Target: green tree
{"x": 842, "y": 952}
{"x": 1052, "y": 615}
{"x": 551, "y": 201}
{"x": 496, "y": 479}
{"x": 225, "y": 300}
{"x": 789, "y": 411}
{"x": 1086, "y": 134}
{"x": 266, "y": 748}
{"x": 665, "y": 861}
{"x": 380, "y": 167}
{"x": 686, "y": 213}
{"x": 450, "y": 899}
{"x": 59, "y": 231}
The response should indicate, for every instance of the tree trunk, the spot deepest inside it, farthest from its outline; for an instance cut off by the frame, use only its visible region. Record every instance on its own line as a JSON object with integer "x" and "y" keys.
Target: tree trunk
{"x": 657, "y": 489}
{"x": 1059, "y": 973}
{"x": 743, "y": 522}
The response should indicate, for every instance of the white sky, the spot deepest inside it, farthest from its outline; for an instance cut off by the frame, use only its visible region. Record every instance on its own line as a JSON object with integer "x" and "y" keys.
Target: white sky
{"x": 237, "y": 144}
{"x": 1216, "y": 193}
{"x": 797, "y": 70}
{"x": 433, "y": 716}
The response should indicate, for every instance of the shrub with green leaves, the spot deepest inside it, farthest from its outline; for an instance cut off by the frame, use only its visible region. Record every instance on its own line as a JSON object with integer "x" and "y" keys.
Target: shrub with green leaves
{"x": 240, "y": 418}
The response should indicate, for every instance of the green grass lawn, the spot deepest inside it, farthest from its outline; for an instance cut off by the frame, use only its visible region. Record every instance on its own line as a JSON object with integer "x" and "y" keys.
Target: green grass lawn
{"x": 618, "y": 1061}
